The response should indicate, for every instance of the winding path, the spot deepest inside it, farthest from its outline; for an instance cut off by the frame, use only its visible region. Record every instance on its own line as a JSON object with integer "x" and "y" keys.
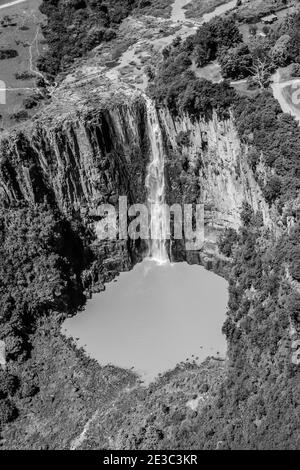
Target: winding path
{"x": 31, "y": 66}
{"x": 11, "y": 4}
{"x": 278, "y": 88}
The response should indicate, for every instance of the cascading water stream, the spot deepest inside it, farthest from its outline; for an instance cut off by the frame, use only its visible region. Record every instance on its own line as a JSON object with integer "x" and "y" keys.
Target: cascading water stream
{"x": 155, "y": 183}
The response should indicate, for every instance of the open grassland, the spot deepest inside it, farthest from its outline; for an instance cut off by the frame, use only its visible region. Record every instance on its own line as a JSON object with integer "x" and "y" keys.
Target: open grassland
{"x": 19, "y": 32}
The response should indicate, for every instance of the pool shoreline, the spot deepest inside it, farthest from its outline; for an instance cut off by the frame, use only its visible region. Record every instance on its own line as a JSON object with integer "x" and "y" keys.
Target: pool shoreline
{"x": 141, "y": 324}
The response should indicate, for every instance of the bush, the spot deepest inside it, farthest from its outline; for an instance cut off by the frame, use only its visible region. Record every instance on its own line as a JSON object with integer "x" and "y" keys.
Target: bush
{"x": 247, "y": 214}
{"x": 74, "y": 28}
{"x": 8, "y": 384}
{"x": 261, "y": 123}
{"x": 28, "y": 389}
{"x": 272, "y": 190}
{"x": 295, "y": 263}
{"x": 30, "y": 102}
{"x": 182, "y": 92}
{"x": 183, "y": 138}
{"x": 8, "y": 54}
{"x": 24, "y": 75}
{"x": 39, "y": 271}
{"x": 227, "y": 241}
{"x": 219, "y": 33}
{"x": 19, "y": 116}
{"x": 281, "y": 53}
{"x": 8, "y": 412}
{"x": 236, "y": 62}
{"x": 177, "y": 87}
{"x": 293, "y": 307}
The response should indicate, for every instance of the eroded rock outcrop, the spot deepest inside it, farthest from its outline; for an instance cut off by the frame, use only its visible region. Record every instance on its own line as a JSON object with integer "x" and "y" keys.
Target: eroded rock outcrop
{"x": 80, "y": 162}
{"x": 213, "y": 152}
{"x": 207, "y": 164}
{"x": 96, "y": 153}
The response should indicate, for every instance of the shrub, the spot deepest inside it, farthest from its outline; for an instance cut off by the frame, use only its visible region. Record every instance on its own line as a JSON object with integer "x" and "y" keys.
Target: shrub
{"x": 213, "y": 36}
{"x": 30, "y": 102}
{"x": 28, "y": 389}
{"x": 24, "y": 75}
{"x": 73, "y": 28}
{"x": 8, "y": 411}
{"x": 272, "y": 190}
{"x": 21, "y": 115}
{"x": 8, "y": 384}
{"x": 183, "y": 138}
{"x": 236, "y": 62}
{"x": 227, "y": 241}
{"x": 293, "y": 307}
{"x": 281, "y": 53}
{"x": 8, "y": 54}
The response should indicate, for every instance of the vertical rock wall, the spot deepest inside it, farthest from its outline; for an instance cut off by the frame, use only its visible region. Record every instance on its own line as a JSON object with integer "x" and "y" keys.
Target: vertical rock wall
{"x": 208, "y": 164}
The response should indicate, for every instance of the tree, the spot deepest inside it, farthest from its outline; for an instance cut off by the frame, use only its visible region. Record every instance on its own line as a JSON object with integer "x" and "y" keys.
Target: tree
{"x": 8, "y": 411}
{"x": 281, "y": 53}
{"x": 246, "y": 214}
{"x": 8, "y": 54}
{"x": 213, "y": 36}
{"x": 226, "y": 241}
{"x": 293, "y": 307}
{"x": 37, "y": 271}
{"x": 8, "y": 384}
{"x": 236, "y": 62}
{"x": 261, "y": 71}
{"x": 253, "y": 29}
{"x": 149, "y": 72}
{"x": 266, "y": 29}
{"x": 272, "y": 190}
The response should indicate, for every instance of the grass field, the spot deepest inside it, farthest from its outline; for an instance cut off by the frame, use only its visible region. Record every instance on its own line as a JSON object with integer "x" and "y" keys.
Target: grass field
{"x": 19, "y": 31}
{"x": 210, "y": 72}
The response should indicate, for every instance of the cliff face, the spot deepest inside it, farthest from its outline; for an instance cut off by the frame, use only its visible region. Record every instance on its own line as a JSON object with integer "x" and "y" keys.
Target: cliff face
{"x": 208, "y": 164}
{"x": 79, "y": 162}
{"x": 213, "y": 153}
{"x": 93, "y": 156}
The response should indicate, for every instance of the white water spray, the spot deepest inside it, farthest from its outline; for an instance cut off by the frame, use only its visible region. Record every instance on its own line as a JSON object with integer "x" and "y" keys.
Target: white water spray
{"x": 155, "y": 183}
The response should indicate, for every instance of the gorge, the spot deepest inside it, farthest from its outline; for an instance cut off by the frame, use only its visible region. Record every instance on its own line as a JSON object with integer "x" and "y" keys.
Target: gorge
{"x": 120, "y": 344}
{"x": 141, "y": 321}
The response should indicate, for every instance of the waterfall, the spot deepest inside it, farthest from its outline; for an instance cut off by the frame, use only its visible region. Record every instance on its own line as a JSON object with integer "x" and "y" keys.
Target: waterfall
{"x": 155, "y": 184}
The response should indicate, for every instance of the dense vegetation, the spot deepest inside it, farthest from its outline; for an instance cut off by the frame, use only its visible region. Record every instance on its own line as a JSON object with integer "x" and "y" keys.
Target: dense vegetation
{"x": 75, "y": 27}
{"x": 263, "y": 309}
{"x": 278, "y": 48}
{"x": 221, "y": 40}
{"x": 42, "y": 256}
{"x": 8, "y": 54}
{"x": 175, "y": 76}
{"x": 274, "y": 139}
{"x": 176, "y": 86}
{"x": 258, "y": 404}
